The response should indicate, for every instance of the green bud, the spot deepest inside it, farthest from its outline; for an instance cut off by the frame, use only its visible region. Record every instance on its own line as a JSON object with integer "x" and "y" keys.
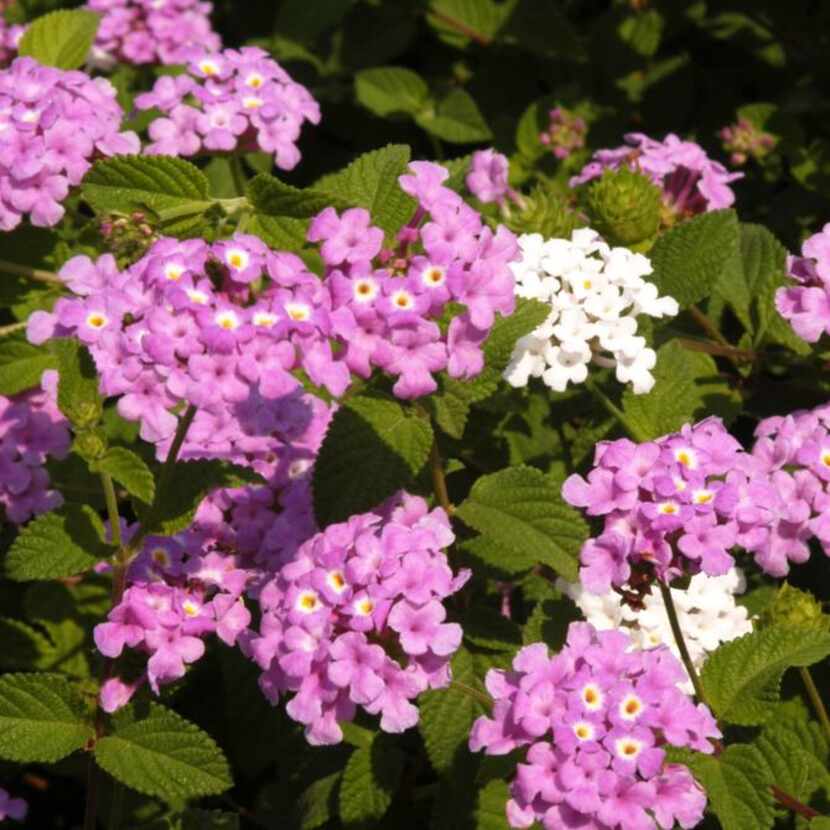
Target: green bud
{"x": 90, "y": 444}
{"x": 545, "y": 213}
{"x": 796, "y": 608}
{"x": 624, "y": 206}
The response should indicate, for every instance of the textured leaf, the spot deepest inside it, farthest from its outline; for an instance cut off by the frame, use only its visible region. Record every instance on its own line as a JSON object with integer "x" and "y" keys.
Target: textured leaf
{"x": 161, "y": 754}
{"x": 318, "y": 803}
{"x": 369, "y": 782}
{"x": 24, "y": 647}
{"x": 461, "y": 21}
{"x": 177, "y": 500}
{"x": 643, "y": 31}
{"x": 371, "y": 182}
{"x": 737, "y": 785}
{"x": 273, "y": 197}
{"x": 456, "y": 119}
{"x": 794, "y": 769}
{"x": 741, "y": 678}
{"x": 21, "y": 364}
{"x": 129, "y": 470}
{"x": 374, "y": 447}
{"x": 489, "y": 811}
{"x": 388, "y": 89}
{"x": 78, "y": 396}
{"x": 62, "y": 38}
{"x": 521, "y": 510}
{"x": 42, "y": 718}
{"x": 447, "y": 715}
{"x": 486, "y": 627}
{"x": 171, "y": 188}
{"x": 688, "y": 387}
{"x": 688, "y": 260}
{"x": 209, "y": 820}
{"x": 59, "y": 544}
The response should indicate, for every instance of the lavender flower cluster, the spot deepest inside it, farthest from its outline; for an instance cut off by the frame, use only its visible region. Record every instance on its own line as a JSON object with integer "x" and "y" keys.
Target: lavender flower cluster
{"x": 13, "y": 808}
{"x": 357, "y": 619}
{"x": 597, "y": 718}
{"x": 387, "y": 303}
{"x": 32, "y": 429}
{"x": 678, "y": 505}
{"x": 806, "y": 305}
{"x": 152, "y": 31}
{"x": 53, "y": 124}
{"x": 691, "y": 182}
{"x": 229, "y": 100}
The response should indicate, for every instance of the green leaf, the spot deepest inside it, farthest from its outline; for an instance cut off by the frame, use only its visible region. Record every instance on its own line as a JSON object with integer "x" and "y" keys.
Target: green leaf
{"x": 521, "y": 511}
{"x": 129, "y": 470}
{"x": 273, "y": 197}
{"x": 489, "y": 811}
{"x": 59, "y": 544}
{"x": 687, "y": 387}
{"x": 742, "y": 678}
{"x": 389, "y": 89}
{"x": 21, "y": 364}
{"x": 737, "y": 785}
{"x": 176, "y": 501}
{"x": 62, "y": 38}
{"x": 456, "y": 119}
{"x": 42, "y": 718}
{"x": 78, "y": 396}
{"x": 371, "y": 182}
{"x": 160, "y": 754}
{"x": 485, "y": 627}
{"x": 369, "y": 782}
{"x": 642, "y": 31}
{"x": 209, "y": 820}
{"x": 688, "y": 260}
{"x": 374, "y": 446}
{"x": 318, "y": 802}
{"x": 790, "y": 765}
{"x": 24, "y": 647}
{"x": 461, "y": 21}
{"x": 173, "y": 189}
{"x": 447, "y": 715}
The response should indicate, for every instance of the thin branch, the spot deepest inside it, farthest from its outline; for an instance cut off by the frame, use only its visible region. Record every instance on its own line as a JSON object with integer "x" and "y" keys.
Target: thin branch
{"x": 462, "y": 28}
{"x": 12, "y": 328}
{"x": 717, "y": 349}
{"x": 475, "y": 694}
{"x": 815, "y": 699}
{"x": 612, "y": 409}
{"x": 792, "y": 803}
{"x": 439, "y": 481}
{"x": 674, "y": 622}
{"x": 35, "y": 274}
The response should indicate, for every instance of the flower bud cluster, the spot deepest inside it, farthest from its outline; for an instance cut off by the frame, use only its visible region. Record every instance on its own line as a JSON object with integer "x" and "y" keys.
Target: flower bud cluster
{"x": 744, "y": 140}
{"x": 565, "y": 133}
{"x": 13, "y": 808}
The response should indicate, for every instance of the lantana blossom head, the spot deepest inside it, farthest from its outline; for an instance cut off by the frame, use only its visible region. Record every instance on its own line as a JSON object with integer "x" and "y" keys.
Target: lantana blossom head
{"x": 596, "y": 720}
{"x": 228, "y": 100}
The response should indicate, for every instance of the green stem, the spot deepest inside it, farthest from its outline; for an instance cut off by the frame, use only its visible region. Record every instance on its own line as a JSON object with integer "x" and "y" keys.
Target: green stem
{"x": 612, "y": 409}
{"x": 35, "y": 274}
{"x": 674, "y": 622}
{"x": 815, "y": 699}
{"x": 116, "y": 805}
{"x": 439, "y": 481}
{"x": 240, "y": 181}
{"x": 175, "y": 448}
{"x": 122, "y": 553}
{"x": 12, "y": 328}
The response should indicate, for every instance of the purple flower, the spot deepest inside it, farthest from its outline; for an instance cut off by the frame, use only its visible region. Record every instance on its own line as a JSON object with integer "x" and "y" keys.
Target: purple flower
{"x": 227, "y": 100}
{"x": 423, "y": 628}
{"x": 594, "y": 719}
{"x": 347, "y": 238}
{"x": 692, "y": 182}
{"x": 53, "y": 124}
{"x": 13, "y": 808}
{"x": 487, "y": 176}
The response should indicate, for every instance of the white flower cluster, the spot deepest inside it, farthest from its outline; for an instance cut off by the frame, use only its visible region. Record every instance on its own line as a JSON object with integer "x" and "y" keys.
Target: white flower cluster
{"x": 707, "y": 612}
{"x": 595, "y": 293}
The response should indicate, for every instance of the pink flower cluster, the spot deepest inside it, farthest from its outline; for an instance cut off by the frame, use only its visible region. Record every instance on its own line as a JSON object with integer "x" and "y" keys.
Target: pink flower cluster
{"x": 597, "y": 718}
{"x": 9, "y": 39}
{"x": 691, "y": 182}
{"x": 679, "y": 504}
{"x": 807, "y": 304}
{"x": 152, "y": 31}
{"x": 193, "y": 585}
{"x": 387, "y": 303}
{"x": 786, "y": 489}
{"x": 183, "y": 325}
{"x": 357, "y": 619}
{"x": 487, "y": 176}
{"x": 13, "y": 808}
{"x": 53, "y": 124}
{"x": 230, "y": 100}
{"x": 32, "y": 429}
{"x": 565, "y": 133}
{"x": 665, "y": 503}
